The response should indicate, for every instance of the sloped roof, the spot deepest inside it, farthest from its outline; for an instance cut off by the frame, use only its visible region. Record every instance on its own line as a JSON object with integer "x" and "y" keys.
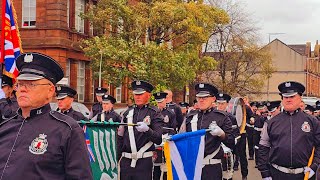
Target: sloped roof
{"x": 300, "y": 48}
{"x": 297, "y": 48}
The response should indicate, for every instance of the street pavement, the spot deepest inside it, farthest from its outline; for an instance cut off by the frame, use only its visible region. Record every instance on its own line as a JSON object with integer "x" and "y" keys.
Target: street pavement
{"x": 254, "y": 173}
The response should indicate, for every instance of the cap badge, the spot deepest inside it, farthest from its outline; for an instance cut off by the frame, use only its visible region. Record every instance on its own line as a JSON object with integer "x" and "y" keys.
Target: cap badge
{"x": 28, "y": 58}
{"x": 59, "y": 88}
{"x": 99, "y": 88}
{"x": 39, "y": 145}
{"x": 221, "y": 95}
{"x": 147, "y": 120}
{"x": 287, "y": 84}
{"x": 158, "y": 94}
{"x": 138, "y": 83}
{"x": 268, "y": 104}
{"x": 201, "y": 85}
{"x": 305, "y": 127}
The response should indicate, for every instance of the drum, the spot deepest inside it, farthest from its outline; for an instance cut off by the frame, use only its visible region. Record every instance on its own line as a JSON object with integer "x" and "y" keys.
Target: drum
{"x": 237, "y": 107}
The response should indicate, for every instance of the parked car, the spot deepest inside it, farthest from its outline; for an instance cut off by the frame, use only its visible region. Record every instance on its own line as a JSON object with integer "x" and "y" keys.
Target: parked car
{"x": 76, "y": 106}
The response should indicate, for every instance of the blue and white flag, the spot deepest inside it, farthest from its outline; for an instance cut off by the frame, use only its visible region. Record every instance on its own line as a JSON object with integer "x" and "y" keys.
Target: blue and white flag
{"x": 184, "y": 155}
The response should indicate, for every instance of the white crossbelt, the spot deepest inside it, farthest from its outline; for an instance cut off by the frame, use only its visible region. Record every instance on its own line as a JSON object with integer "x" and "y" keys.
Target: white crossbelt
{"x": 258, "y": 129}
{"x": 135, "y": 155}
{"x": 194, "y": 123}
{"x": 288, "y": 170}
{"x": 208, "y": 159}
{"x": 249, "y": 125}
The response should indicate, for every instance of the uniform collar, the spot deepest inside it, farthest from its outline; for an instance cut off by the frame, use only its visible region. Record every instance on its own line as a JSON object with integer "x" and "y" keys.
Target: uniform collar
{"x": 294, "y": 112}
{"x": 207, "y": 110}
{"x": 35, "y": 112}
{"x": 144, "y": 106}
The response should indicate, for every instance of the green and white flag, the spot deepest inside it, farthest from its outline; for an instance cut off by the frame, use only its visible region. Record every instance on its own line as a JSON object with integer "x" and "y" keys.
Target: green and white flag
{"x": 101, "y": 144}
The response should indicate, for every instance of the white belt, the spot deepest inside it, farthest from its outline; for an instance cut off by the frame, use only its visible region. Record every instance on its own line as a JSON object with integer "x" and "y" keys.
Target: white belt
{"x": 249, "y": 125}
{"x": 289, "y": 170}
{"x": 211, "y": 161}
{"x": 258, "y": 129}
{"x": 234, "y": 126}
{"x": 137, "y": 155}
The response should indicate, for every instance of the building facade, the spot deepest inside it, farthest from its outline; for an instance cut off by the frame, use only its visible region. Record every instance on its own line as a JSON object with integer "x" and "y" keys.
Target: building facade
{"x": 55, "y": 28}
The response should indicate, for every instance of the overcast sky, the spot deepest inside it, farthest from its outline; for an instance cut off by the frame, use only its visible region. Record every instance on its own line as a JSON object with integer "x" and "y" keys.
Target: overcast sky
{"x": 298, "y": 19}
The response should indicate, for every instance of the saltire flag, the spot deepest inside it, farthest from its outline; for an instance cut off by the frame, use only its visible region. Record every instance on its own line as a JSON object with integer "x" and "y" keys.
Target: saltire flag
{"x": 101, "y": 143}
{"x": 10, "y": 39}
{"x": 184, "y": 155}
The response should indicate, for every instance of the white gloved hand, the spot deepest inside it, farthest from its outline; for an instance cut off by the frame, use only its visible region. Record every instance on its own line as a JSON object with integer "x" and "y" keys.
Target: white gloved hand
{"x": 121, "y": 130}
{"x": 216, "y": 131}
{"x": 267, "y": 178}
{"x": 142, "y": 127}
{"x": 308, "y": 169}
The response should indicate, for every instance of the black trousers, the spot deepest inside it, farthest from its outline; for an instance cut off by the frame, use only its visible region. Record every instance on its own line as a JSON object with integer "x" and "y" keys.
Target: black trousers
{"x": 240, "y": 152}
{"x": 139, "y": 175}
{"x": 213, "y": 172}
{"x": 250, "y": 140}
{"x": 278, "y": 175}
{"x": 256, "y": 140}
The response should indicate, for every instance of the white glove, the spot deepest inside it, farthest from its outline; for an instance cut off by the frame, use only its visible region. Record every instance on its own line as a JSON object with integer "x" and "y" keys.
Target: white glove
{"x": 308, "y": 169}
{"x": 142, "y": 127}
{"x": 216, "y": 131}
{"x": 267, "y": 178}
{"x": 121, "y": 130}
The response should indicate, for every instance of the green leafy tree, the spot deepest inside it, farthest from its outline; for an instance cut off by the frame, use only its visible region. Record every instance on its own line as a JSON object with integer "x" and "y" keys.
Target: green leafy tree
{"x": 158, "y": 41}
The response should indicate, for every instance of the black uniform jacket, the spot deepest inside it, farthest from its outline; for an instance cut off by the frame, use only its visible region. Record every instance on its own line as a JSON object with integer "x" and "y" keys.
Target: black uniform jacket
{"x": 154, "y": 134}
{"x": 108, "y": 116}
{"x": 74, "y": 114}
{"x": 96, "y": 108}
{"x": 205, "y": 118}
{"x": 287, "y": 140}
{"x": 46, "y": 145}
{"x": 177, "y": 110}
{"x": 169, "y": 120}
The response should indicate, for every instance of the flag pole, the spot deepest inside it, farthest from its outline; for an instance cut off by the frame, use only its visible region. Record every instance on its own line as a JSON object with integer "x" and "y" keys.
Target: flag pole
{"x": 4, "y": 2}
{"x": 97, "y": 123}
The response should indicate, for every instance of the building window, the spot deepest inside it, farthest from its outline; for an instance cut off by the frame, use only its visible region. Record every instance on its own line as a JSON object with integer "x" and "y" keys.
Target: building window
{"x": 67, "y": 75}
{"x": 81, "y": 80}
{"x": 80, "y": 4}
{"x": 29, "y": 13}
{"x": 118, "y": 94}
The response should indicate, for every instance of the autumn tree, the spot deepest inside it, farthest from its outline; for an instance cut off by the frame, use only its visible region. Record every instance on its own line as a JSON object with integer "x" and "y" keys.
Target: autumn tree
{"x": 159, "y": 41}
{"x": 243, "y": 65}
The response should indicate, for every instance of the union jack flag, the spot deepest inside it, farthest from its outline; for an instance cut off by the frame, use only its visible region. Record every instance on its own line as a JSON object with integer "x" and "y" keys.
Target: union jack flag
{"x": 11, "y": 44}
{"x": 91, "y": 156}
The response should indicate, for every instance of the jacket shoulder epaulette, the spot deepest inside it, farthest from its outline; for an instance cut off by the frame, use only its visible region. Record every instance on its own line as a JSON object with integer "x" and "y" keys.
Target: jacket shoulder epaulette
{"x": 221, "y": 112}
{"x": 154, "y": 108}
{"x": 5, "y": 120}
{"x": 192, "y": 113}
{"x": 67, "y": 120}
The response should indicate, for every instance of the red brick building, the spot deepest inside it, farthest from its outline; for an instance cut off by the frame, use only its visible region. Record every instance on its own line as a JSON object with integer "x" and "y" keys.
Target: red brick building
{"x": 53, "y": 27}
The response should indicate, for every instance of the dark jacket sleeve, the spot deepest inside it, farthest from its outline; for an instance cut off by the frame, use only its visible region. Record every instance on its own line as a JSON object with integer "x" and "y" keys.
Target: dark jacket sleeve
{"x": 249, "y": 113}
{"x": 77, "y": 163}
{"x": 179, "y": 116}
{"x": 155, "y": 130}
{"x": 316, "y": 159}
{"x": 263, "y": 153}
{"x": 227, "y": 128}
